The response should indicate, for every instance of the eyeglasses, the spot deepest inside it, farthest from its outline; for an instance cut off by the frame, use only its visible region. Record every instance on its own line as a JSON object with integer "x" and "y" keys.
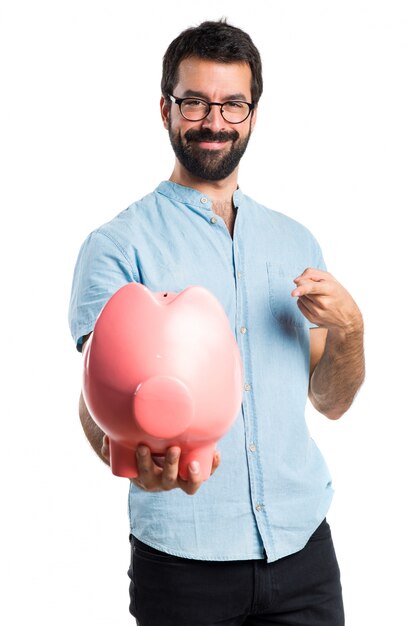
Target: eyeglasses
{"x": 195, "y": 109}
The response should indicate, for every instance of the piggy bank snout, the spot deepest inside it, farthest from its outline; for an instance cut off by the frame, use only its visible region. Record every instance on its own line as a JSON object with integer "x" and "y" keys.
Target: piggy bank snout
{"x": 163, "y": 407}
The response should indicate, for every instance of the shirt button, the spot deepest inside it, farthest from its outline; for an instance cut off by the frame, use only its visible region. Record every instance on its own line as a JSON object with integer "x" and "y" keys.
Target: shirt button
{"x": 247, "y": 387}
{"x": 213, "y": 220}
{"x": 253, "y": 447}
{"x": 239, "y": 274}
{"x": 258, "y": 507}
{"x": 243, "y": 330}
{"x": 203, "y": 200}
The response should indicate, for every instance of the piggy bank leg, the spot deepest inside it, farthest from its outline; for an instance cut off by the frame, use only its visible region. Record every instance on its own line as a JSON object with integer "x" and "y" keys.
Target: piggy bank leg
{"x": 203, "y": 454}
{"x": 122, "y": 460}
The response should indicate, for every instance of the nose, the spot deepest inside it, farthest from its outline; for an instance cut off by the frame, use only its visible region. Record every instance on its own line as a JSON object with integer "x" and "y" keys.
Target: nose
{"x": 214, "y": 120}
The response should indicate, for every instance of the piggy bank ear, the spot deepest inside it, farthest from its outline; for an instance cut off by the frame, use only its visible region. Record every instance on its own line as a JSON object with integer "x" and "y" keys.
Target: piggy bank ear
{"x": 163, "y": 407}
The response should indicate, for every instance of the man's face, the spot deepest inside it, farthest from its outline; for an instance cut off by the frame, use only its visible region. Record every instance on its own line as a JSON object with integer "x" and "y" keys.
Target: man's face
{"x": 210, "y": 149}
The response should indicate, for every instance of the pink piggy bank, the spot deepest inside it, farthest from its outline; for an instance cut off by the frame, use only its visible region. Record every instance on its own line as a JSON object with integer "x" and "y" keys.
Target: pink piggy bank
{"x": 162, "y": 369}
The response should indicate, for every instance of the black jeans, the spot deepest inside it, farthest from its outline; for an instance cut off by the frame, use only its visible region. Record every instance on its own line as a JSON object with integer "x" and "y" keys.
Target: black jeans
{"x": 302, "y": 589}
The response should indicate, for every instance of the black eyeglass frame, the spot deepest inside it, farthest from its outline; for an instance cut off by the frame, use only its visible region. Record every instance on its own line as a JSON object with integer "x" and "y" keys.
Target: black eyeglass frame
{"x": 179, "y": 102}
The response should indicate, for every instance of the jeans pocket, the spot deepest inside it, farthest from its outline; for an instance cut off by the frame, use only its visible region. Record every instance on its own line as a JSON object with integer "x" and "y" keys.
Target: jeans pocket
{"x": 144, "y": 551}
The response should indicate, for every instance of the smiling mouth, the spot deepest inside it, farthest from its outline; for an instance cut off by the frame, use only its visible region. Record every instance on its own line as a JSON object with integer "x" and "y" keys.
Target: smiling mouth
{"x": 212, "y": 145}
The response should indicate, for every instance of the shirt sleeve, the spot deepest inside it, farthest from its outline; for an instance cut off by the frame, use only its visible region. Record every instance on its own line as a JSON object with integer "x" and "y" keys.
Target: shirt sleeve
{"x": 101, "y": 269}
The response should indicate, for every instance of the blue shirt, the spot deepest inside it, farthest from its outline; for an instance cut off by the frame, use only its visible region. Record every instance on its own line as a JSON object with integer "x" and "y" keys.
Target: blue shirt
{"x": 273, "y": 487}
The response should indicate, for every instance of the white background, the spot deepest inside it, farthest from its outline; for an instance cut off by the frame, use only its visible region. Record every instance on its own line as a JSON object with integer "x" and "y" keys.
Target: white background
{"x": 336, "y": 147}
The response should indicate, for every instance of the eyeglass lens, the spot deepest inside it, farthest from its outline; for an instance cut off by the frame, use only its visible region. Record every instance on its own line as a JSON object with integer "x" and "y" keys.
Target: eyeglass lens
{"x": 233, "y": 111}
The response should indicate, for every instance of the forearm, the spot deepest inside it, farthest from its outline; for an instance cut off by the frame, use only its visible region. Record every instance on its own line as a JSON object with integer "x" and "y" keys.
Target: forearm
{"x": 339, "y": 373}
{"x": 93, "y": 433}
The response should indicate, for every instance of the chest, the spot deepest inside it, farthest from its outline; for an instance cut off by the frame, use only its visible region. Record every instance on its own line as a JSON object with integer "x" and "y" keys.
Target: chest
{"x": 241, "y": 257}
{"x": 228, "y": 215}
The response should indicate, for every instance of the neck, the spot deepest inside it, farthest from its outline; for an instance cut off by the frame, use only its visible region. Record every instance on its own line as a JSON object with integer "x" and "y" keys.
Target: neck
{"x": 219, "y": 191}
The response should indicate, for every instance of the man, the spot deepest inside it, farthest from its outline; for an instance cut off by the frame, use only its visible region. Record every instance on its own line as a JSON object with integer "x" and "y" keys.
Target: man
{"x": 252, "y": 545}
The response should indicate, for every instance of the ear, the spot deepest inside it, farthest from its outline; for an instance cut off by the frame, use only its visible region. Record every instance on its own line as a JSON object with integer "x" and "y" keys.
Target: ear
{"x": 165, "y": 111}
{"x": 253, "y": 118}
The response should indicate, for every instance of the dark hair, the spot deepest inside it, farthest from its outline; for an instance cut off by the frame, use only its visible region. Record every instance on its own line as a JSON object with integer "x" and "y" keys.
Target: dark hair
{"x": 217, "y": 41}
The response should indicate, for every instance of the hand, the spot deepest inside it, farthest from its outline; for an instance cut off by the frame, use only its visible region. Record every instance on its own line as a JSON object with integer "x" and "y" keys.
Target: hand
{"x": 325, "y": 302}
{"x": 153, "y": 477}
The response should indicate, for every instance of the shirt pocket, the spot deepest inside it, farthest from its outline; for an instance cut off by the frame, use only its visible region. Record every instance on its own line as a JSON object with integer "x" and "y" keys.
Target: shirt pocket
{"x": 283, "y": 306}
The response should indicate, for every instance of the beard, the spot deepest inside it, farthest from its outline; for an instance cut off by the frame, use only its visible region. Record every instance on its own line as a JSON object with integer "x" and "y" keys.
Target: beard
{"x": 208, "y": 164}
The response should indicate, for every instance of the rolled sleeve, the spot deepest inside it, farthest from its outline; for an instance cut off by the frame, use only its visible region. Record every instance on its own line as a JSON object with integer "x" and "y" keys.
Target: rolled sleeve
{"x": 101, "y": 269}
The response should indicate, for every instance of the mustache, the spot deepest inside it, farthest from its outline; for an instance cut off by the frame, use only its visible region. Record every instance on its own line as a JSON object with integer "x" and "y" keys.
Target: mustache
{"x": 207, "y": 135}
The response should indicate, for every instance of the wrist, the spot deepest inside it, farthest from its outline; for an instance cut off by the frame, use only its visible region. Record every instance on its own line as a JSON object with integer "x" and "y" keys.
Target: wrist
{"x": 354, "y": 328}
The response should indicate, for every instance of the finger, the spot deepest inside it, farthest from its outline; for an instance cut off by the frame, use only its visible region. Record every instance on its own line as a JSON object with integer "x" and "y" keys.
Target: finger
{"x": 305, "y": 312}
{"x": 170, "y": 469}
{"x": 311, "y": 287}
{"x": 305, "y": 288}
{"x": 194, "y": 474}
{"x": 194, "y": 481}
{"x": 148, "y": 471}
{"x": 216, "y": 461}
{"x": 305, "y": 305}
{"x": 315, "y": 300}
{"x": 315, "y": 274}
{"x": 299, "y": 280}
{"x": 304, "y": 281}
{"x": 309, "y": 311}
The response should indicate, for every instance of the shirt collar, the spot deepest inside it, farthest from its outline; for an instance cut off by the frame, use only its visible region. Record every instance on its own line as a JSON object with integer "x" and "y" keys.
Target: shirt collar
{"x": 186, "y": 195}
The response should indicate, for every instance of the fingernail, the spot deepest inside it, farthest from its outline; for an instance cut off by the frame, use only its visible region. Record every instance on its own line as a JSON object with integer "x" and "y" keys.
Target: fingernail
{"x": 142, "y": 450}
{"x": 194, "y": 467}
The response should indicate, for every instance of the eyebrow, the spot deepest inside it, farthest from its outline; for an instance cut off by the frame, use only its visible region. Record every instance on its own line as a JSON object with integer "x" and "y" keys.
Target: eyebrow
{"x": 190, "y": 93}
